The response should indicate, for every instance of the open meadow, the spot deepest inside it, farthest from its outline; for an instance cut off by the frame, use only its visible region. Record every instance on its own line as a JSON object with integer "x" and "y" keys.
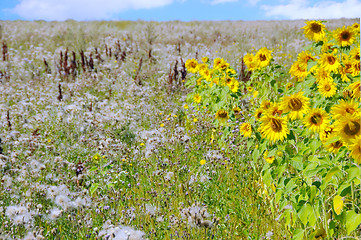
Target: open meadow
{"x": 180, "y": 130}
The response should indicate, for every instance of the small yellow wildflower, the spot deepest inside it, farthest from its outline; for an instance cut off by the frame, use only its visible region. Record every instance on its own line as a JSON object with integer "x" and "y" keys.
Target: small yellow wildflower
{"x": 195, "y": 120}
{"x": 197, "y": 98}
{"x": 185, "y": 106}
{"x": 202, "y": 162}
{"x": 270, "y": 159}
{"x": 162, "y": 125}
{"x": 255, "y": 94}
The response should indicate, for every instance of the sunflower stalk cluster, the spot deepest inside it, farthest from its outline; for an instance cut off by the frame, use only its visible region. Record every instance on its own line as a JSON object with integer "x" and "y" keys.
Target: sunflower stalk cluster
{"x": 302, "y": 127}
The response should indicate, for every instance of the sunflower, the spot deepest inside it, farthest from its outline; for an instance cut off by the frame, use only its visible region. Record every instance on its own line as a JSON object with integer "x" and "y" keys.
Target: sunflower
{"x": 231, "y": 71}
{"x": 248, "y": 58}
{"x": 344, "y": 36}
{"x": 214, "y": 81}
{"x": 228, "y": 81}
{"x": 201, "y": 67}
{"x": 329, "y": 62}
{"x": 335, "y": 146}
{"x": 298, "y": 70}
{"x": 217, "y": 62}
{"x": 296, "y": 104}
{"x": 328, "y": 47}
{"x": 314, "y": 30}
{"x": 356, "y": 27}
{"x": 355, "y": 88}
{"x": 274, "y": 128}
{"x": 323, "y": 75}
{"x": 327, "y": 88}
{"x": 268, "y": 159}
{"x": 220, "y": 64}
{"x": 346, "y": 68}
{"x": 348, "y": 127}
{"x": 222, "y": 115}
{"x": 237, "y": 111}
{"x": 245, "y": 129}
{"x": 326, "y": 133}
{"x": 355, "y": 148}
{"x": 355, "y": 54}
{"x": 274, "y": 110}
{"x": 234, "y": 86}
{"x": 197, "y": 98}
{"x": 266, "y": 104}
{"x": 253, "y": 65}
{"x": 304, "y": 57}
{"x": 344, "y": 108}
{"x": 191, "y": 65}
{"x": 355, "y": 69}
{"x": 316, "y": 120}
{"x": 205, "y": 59}
{"x": 264, "y": 57}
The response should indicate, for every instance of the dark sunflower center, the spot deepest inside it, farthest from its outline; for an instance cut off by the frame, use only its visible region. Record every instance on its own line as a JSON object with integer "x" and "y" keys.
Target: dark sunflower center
{"x": 259, "y": 114}
{"x": 316, "y": 119}
{"x": 331, "y": 60}
{"x": 346, "y": 93}
{"x": 348, "y": 66}
{"x": 262, "y": 57}
{"x": 350, "y": 110}
{"x": 337, "y": 144}
{"x": 357, "y": 66}
{"x": 301, "y": 69}
{"x": 315, "y": 27}
{"x": 328, "y": 132}
{"x": 228, "y": 80}
{"x": 276, "y": 125}
{"x": 306, "y": 59}
{"x": 327, "y": 87}
{"x": 223, "y": 114}
{"x": 357, "y": 57}
{"x": 352, "y": 128}
{"x": 346, "y": 35}
{"x": 276, "y": 112}
{"x": 295, "y": 104}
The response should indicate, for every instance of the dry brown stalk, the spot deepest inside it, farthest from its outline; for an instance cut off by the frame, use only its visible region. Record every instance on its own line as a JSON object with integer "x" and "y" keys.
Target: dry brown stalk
{"x": 136, "y": 78}
{"x": 60, "y": 97}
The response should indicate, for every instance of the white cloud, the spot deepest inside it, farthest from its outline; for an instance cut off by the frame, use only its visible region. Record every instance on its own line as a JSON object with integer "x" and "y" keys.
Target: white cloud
{"x": 251, "y": 2}
{"x": 222, "y": 1}
{"x": 303, "y": 9}
{"x": 80, "y": 9}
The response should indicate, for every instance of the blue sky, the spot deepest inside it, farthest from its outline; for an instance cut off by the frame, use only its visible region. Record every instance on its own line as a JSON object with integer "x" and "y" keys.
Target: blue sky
{"x": 184, "y": 10}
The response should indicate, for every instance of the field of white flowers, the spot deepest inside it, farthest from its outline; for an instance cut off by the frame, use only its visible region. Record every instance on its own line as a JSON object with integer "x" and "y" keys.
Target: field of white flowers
{"x": 98, "y": 140}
